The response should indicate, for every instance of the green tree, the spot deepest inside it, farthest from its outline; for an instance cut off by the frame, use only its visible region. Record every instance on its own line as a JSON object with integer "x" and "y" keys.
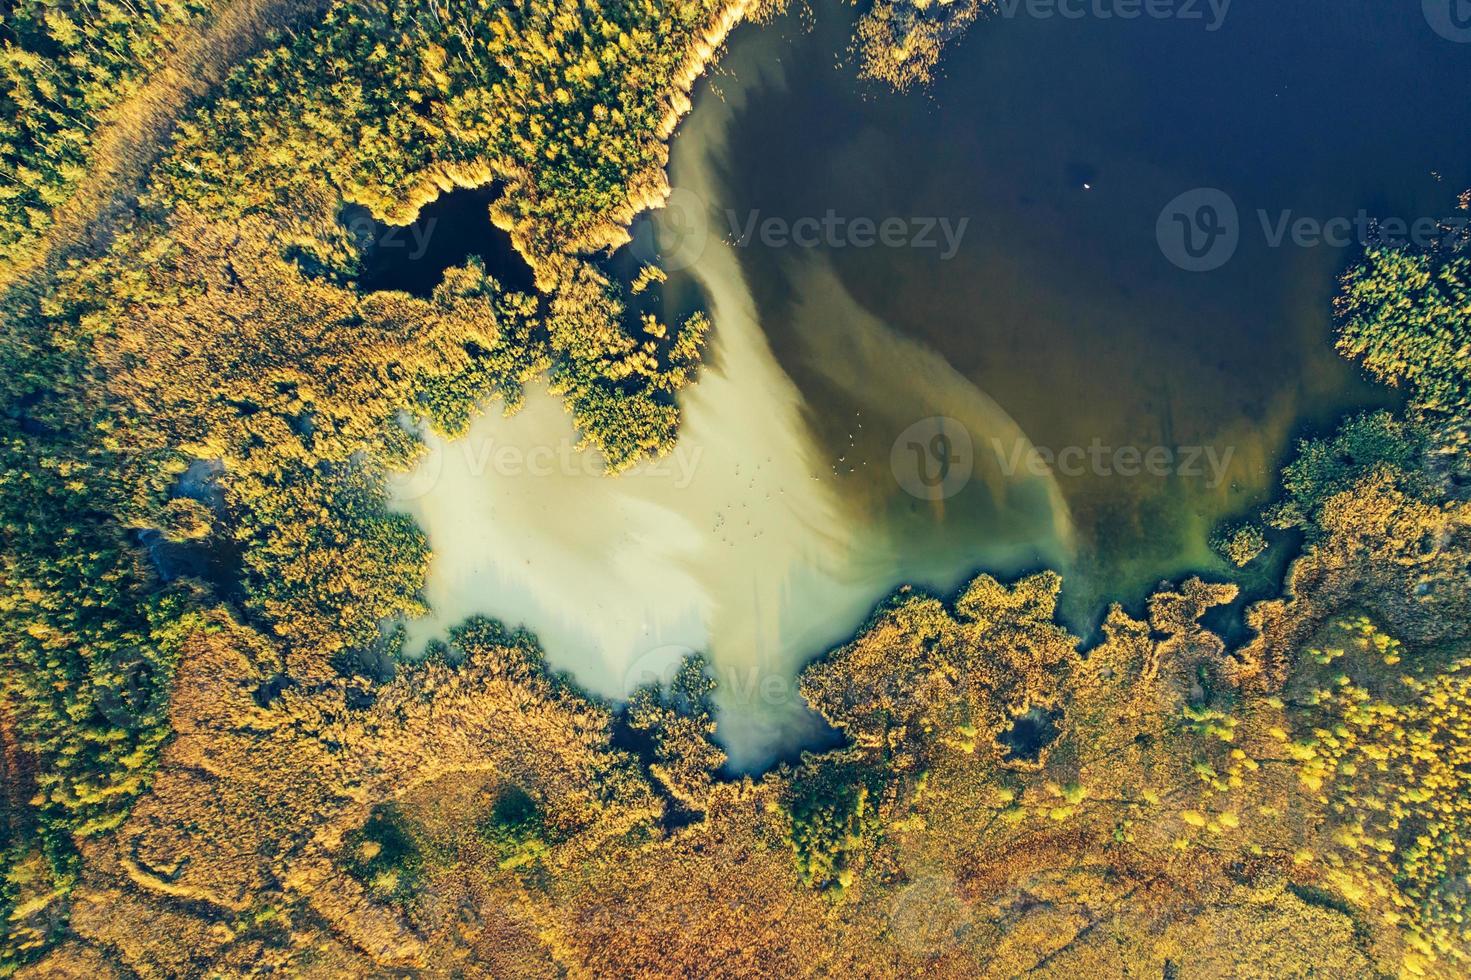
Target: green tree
{"x": 1407, "y": 317}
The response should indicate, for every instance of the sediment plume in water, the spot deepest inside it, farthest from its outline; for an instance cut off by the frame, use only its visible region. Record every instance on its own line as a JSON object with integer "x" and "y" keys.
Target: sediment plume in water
{"x": 748, "y": 542}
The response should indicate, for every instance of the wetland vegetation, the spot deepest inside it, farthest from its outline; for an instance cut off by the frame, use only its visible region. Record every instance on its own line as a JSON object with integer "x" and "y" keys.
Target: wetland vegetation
{"x": 567, "y": 589}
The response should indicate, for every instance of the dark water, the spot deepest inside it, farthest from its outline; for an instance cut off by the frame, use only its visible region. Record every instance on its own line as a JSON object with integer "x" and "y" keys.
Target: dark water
{"x": 412, "y": 258}
{"x": 1030, "y": 734}
{"x": 1059, "y": 143}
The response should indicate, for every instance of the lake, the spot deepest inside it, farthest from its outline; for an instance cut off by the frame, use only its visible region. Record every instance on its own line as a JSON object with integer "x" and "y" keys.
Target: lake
{"x": 1067, "y": 307}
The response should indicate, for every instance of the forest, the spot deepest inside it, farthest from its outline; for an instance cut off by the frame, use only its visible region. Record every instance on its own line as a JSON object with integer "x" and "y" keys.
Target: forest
{"x": 215, "y": 761}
